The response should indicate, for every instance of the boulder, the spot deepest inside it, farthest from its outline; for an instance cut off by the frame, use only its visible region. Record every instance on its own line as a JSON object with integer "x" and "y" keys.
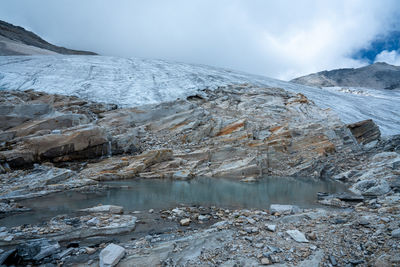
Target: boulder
{"x": 111, "y": 255}
{"x": 371, "y": 187}
{"x": 365, "y": 131}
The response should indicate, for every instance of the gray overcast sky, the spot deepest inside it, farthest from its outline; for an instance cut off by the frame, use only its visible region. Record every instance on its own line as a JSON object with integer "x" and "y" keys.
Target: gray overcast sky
{"x": 281, "y": 39}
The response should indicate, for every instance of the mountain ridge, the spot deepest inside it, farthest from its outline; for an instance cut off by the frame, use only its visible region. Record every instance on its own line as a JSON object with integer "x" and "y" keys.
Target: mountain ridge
{"x": 379, "y": 75}
{"x": 15, "y": 40}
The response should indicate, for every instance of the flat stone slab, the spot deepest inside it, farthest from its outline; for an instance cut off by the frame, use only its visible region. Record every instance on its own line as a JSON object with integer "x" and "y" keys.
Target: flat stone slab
{"x": 111, "y": 255}
{"x": 106, "y": 209}
{"x": 297, "y": 236}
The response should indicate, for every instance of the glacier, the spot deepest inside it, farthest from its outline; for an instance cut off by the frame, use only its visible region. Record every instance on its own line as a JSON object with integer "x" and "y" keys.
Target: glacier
{"x": 132, "y": 82}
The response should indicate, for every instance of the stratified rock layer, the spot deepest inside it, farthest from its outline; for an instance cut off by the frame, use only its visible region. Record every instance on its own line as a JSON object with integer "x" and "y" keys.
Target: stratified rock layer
{"x": 365, "y": 131}
{"x": 235, "y": 131}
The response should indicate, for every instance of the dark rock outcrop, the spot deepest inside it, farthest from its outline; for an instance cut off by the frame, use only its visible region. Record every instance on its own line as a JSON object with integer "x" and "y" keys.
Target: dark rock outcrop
{"x": 378, "y": 75}
{"x": 16, "y": 40}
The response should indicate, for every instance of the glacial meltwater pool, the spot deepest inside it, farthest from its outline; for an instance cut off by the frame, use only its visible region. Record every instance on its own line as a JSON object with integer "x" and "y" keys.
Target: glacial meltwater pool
{"x": 142, "y": 194}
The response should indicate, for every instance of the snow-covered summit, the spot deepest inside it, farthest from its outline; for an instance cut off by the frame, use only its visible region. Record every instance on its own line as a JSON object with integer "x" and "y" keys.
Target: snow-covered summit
{"x": 133, "y": 82}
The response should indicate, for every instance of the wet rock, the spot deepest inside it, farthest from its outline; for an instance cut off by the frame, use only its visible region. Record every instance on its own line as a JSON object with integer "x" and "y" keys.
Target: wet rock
{"x": 283, "y": 209}
{"x": 105, "y": 209}
{"x": 48, "y": 179}
{"x": 249, "y": 180}
{"x": 182, "y": 175}
{"x": 297, "y": 236}
{"x": 111, "y": 255}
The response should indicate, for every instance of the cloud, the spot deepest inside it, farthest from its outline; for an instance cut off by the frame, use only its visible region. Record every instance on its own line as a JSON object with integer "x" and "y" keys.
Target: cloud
{"x": 390, "y": 57}
{"x": 282, "y": 39}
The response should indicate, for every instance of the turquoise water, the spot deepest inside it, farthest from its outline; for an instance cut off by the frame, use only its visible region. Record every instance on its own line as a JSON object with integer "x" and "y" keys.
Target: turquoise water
{"x": 141, "y": 194}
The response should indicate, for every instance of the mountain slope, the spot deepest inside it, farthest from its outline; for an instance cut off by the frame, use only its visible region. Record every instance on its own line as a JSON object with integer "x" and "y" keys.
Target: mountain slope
{"x": 16, "y": 40}
{"x": 134, "y": 82}
{"x": 379, "y": 75}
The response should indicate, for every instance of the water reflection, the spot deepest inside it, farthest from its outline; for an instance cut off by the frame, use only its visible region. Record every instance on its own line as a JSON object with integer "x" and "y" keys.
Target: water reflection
{"x": 161, "y": 194}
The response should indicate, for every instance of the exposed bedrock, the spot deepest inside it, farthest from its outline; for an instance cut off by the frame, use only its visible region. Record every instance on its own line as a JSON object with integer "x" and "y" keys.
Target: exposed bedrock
{"x": 365, "y": 131}
{"x": 235, "y": 131}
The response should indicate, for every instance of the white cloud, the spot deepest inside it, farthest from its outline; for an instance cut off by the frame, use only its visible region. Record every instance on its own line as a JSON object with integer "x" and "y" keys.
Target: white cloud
{"x": 390, "y": 57}
{"x": 280, "y": 39}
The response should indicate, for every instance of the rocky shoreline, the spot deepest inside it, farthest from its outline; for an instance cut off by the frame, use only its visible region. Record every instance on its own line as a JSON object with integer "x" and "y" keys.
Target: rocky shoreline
{"x": 53, "y": 143}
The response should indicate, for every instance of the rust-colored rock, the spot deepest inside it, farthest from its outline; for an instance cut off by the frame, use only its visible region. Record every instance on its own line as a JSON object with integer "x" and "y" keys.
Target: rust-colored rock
{"x": 365, "y": 131}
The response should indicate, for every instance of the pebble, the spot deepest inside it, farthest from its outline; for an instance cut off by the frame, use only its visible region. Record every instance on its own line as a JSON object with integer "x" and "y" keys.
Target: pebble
{"x": 297, "y": 236}
{"x": 271, "y": 227}
{"x": 8, "y": 238}
{"x": 93, "y": 222}
{"x": 333, "y": 260}
{"x": 396, "y": 233}
{"x": 90, "y": 250}
{"x": 312, "y": 236}
{"x": 185, "y": 222}
{"x": 203, "y": 217}
{"x": 265, "y": 261}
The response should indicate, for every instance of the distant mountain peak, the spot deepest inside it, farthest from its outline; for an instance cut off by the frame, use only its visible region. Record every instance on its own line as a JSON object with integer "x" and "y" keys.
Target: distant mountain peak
{"x": 379, "y": 75}
{"x": 15, "y": 40}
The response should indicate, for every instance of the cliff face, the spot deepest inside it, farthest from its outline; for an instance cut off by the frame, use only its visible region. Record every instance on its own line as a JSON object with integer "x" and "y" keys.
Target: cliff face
{"x": 16, "y": 40}
{"x": 235, "y": 131}
{"x": 378, "y": 76}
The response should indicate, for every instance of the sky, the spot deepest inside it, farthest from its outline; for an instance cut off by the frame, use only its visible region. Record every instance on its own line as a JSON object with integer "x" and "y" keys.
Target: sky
{"x": 282, "y": 39}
